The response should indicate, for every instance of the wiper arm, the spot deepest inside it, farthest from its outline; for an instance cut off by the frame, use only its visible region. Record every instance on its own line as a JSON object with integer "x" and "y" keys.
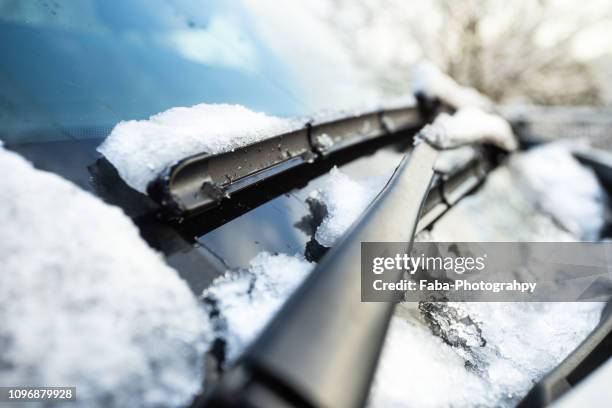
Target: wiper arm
{"x": 290, "y": 364}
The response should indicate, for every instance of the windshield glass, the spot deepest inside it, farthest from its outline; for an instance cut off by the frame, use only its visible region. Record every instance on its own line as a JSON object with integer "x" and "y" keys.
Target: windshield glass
{"x": 73, "y": 69}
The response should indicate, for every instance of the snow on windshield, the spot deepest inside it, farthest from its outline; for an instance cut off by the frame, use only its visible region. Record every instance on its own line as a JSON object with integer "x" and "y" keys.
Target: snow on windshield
{"x": 515, "y": 345}
{"x": 85, "y": 302}
{"x": 486, "y": 354}
{"x": 524, "y": 201}
{"x": 247, "y": 299}
{"x": 566, "y": 190}
{"x": 340, "y": 212}
{"x": 141, "y": 149}
{"x": 502, "y": 348}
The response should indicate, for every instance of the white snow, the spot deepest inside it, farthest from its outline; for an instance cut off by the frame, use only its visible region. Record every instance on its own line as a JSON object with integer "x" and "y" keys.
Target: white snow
{"x": 466, "y": 126}
{"x": 85, "y": 302}
{"x": 429, "y": 80}
{"x": 519, "y": 202}
{"x": 248, "y": 299}
{"x": 523, "y": 342}
{"x": 417, "y": 369}
{"x": 344, "y": 200}
{"x": 451, "y": 160}
{"x": 529, "y": 199}
{"x": 563, "y": 188}
{"x": 141, "y": 149}
{"x": 324, "y": 141}
{"x": 543, "y": 194}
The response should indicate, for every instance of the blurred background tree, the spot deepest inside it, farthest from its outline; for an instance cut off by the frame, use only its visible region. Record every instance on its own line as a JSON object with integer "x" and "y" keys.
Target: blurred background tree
{"x": 529, "y": 51}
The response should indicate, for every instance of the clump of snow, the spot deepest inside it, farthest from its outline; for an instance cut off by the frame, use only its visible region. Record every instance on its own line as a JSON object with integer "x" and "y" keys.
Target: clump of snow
{"x": 467, "y": 126}
{"x": 451, "y": 160}
{"x": 501, "y": 210}
{"x": 563, "y": 188}
{"x": 523, "y": 342}
{"x": 343, "y": 200}
{"x": 543, "y": 194}
{"x": 85, "y": 302}
{"x": 246, "y": 300}
{"x": 529, "y": 200}
{"x": 324, "y": 141}
{"x": 141, "y": 149}
{"x": 429, "y": 80}
{"x": 417, "y": 369}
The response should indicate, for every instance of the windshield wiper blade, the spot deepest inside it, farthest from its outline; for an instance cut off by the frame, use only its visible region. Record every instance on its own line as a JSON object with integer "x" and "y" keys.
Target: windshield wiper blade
{"x": 201, "y": 181}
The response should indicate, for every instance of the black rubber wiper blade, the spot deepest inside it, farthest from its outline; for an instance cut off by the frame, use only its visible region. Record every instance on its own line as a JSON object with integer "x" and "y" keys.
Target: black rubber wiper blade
{"x": 199, "y": 182}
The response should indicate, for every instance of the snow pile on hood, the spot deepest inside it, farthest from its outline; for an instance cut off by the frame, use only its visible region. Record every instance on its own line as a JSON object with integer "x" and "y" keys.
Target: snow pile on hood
{"x": 246, "y": 300}
{"x": 523, "y": 341}
{"x": 343, "y": 200}
{"x": 141, "y": 149}
{"x": 427, "y": 79}
{"x": 85, "y": 302}
{"x": 563, "y": 188}
{"x": 467, "y": 126}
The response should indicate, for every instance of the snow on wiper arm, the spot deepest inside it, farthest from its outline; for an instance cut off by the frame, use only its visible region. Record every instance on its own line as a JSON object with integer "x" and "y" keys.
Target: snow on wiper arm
{"x": 141, "y": 149}
{"x": 469, "y": 126}
{"x": 188, "y": 165}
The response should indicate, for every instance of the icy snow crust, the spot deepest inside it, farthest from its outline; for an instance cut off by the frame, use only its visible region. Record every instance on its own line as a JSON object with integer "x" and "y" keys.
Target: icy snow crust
{"x": 247, "y": 299}
{"x": 467, "y": 126}
{"x": 141, "y": 149}
{"x": 85, "y": 302}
